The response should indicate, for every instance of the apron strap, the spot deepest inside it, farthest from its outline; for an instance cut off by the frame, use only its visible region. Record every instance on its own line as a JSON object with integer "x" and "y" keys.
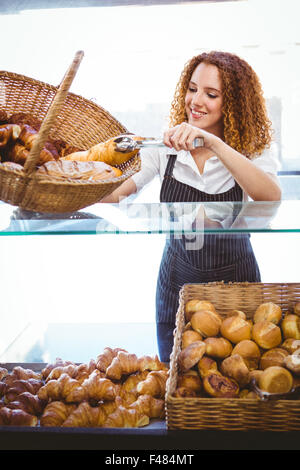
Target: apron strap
{"x": 170, "y": 165}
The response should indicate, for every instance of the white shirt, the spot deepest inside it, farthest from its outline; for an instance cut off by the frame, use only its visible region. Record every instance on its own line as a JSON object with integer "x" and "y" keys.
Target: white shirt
{"x": 215, "y": 177}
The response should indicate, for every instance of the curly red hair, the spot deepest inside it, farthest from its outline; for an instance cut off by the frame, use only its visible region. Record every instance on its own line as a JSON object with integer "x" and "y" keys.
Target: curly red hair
{"x": 247, "y": 127}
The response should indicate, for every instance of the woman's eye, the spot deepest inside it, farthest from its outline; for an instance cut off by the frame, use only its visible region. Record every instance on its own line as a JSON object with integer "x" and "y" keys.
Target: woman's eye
{"x": 193, "y": 90}
{"x": 211, "y": 95}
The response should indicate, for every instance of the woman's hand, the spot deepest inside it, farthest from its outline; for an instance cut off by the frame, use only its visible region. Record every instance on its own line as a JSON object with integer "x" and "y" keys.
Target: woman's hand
{"x": 182, "y": 136}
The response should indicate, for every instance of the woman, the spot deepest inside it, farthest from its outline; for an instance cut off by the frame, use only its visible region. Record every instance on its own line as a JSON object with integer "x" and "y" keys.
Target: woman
{"x": 218, "y": 98}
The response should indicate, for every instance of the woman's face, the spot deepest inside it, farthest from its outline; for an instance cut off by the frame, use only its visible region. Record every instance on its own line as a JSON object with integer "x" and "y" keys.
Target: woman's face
{"x": 203, "y": 100}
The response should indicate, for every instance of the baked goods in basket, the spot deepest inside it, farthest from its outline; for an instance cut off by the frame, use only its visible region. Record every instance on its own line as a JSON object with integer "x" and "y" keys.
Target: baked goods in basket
{"x": 84, "y": 171}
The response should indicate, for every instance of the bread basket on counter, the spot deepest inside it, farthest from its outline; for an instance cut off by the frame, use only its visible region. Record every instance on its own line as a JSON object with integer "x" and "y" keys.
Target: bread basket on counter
{"x": 230, "y": 414}
{"x": 67, "y": 116}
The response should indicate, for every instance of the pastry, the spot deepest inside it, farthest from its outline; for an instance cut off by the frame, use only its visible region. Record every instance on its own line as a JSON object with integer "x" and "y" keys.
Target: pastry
{"x": 290, "y": 326}
{"x": 266, "y": 334}
{"x": 292, "y": 362}
{"x": 65, "y": 388}
{"x": 276, "y": 379}
{"x": 105, "y": 358}
{"x": 83, "y": 171}
{"x": 206, "y": 323}
{"x": 249, "y": 351}
{"x": 56, "y": 412}
{"x": 235, "y": 329}
{"x": 149, "y": 406}
{"x": 12, "y": 417}
{"x": 273, "y": 357}
{"x": 182, "y": 392}
{"x": 218, "y": 386}
{"x": 188, "y": 337}
{"x": 8, "y": 133}
{"x": 268, "y": 311}
{"x": 97, "y": 388}
{"x": 291, "y": 345}
{"x": 126, "y": 418}
{"x": 190, "y": 355}
{"x": 218, "y": 348}
{"x": 154, "y": 384}
{"x": 195, "y": 305}
{"x": 190, "y": 380}
{"x": 235, "y": 368}
{"x": 206, "y": 366}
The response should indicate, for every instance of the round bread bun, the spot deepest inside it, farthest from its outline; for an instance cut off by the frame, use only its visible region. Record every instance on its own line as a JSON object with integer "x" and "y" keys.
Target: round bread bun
{"x": 276, "y": 379}
{"x": 273, "y": 357}
{"x": 235, "y": 329}
{"x": 190, "y": 381}
{"x": 195, "y": 305}
{"x": 235, "y": 368}
{"x": 292, "y": 362}
{"x": 190, "y": 355}
{"x": 290, "y": 326}
{"x": 219, "y": 347}
{"x": 218, "y": 386}
{"x": 207, "y": 366}
{"x": 249, "y": 351}
{"x": 291, "y": 345}
{"x": 189, "y": 337}
{"x": 206, "y": 322}
{"x": 266, "y": 334}
{"x": 268, "y": 311}
{"x": 297, "y": 309}
{"x": 237, "y": 313}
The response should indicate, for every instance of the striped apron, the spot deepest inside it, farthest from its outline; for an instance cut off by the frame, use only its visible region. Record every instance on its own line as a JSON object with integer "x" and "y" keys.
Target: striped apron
{"x": 223, "y": 257}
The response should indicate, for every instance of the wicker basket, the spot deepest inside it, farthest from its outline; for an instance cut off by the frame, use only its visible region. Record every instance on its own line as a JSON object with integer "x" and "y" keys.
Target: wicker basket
{"x": 77, "y": 121}
{"x": 230, "y": 414}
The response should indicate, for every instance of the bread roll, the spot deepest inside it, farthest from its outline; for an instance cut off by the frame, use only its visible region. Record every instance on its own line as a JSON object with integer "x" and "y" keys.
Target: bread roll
{"x": 206, "y": 322}
{"x": 292, "y": 362}
{"x": 268, "y": 311}
{"x": 290, "y": 326}
{"x": 218, "y": 386}
{"x": 276, "y": 379}
{"x": 255, "y": 375}
{"x": 190, "y": 380}
{"x": 182, "y": 392}
{"x": 273, "y": 357}
{"x": 237, "y": 313}
{"x": 249, "y": 351}
{"x": 195, "y": 305}
{"x": 235, "y": 329}
{"x": 218, "y": 348}
{"x": 84, "y": 171}
{"x": 207, "y": 366}
{"x": 291, "y": 345}
{"x": 189, "y": 356}
{"x": 189, "y": 337}
{"x": 235, "y": 368}
{"x": 266, "y": 334}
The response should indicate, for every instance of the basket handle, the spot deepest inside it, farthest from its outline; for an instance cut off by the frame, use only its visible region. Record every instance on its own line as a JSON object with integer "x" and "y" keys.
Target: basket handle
{"x": 57, "y": 103}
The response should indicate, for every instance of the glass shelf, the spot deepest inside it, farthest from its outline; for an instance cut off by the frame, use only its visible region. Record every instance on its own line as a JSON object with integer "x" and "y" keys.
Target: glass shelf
{"x": 164, "y": 218}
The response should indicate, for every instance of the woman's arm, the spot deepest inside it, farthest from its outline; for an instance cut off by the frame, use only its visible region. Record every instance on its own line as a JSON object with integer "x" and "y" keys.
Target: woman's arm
{"x": 124, "y": 190}
{"x": 258, "y": 184}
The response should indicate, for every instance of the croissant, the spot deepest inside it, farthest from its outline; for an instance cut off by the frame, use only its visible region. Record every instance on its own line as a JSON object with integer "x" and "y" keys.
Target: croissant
{"x": 70, "y": 369}
{"x": 26, "y": 139}
{"x": 154, "y": 384}
{"x": 25, "y": 118}
{"x": 103, "y": 152}
{"x": 150, "y": 406}
{"x": 105, "y": 359}
{"x": 123, "y": 364}
{"x": 130, "y": 383}
{"x": 3, "y": 373}
{"x": 19, "y": 373}
{"x": 98, "y": 388}
{"x": 151, "y": 363}
{"x": 10, "y": 417}
{"x": 55, "y": 413}
{"x": 86, "y": 415}
{"x": 49, "y": 367}
{"x": 85, "y": 171}
{"x": 3, "y": 388}
{"x": 28, "y": 402}
{"x": 19, "y": 386}
{"x": 126, "y": 418}
{"x": 9, "y": 132}
{"x": 65, "y": 388}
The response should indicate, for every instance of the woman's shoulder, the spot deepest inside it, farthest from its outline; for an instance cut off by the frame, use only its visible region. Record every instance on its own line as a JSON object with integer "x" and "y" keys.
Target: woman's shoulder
{"x": 268, "y": 160}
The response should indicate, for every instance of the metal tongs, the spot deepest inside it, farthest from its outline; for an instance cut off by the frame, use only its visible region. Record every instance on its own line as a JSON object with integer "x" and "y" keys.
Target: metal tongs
{"x": 126, "y": 144}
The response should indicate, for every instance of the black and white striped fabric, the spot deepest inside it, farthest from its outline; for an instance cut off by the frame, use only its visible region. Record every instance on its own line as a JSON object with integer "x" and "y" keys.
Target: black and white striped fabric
{"x": 221, "y": 257}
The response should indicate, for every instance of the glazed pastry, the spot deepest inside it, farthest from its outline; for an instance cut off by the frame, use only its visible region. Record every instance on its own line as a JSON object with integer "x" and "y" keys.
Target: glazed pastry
{"x": 84, "y": 171}
{"x": 190, "y": 380}
{"x": 290, "y": 326}
{"x": 17, "y": 387}
{"x": 55, "y": 413}
{"x": 19, "y": 373}
{"x": 266, "y": 334}
{"x": 235, "y": 368}
{"x": 70, "y": 369}
{"x": 64, "y": 388}
{"x": 249, "y": 351}
{"x": 126, "y": 418}
{"x": 133, "y": 380}
{"x": 273, "y": 357}
{"x": 86, "y": 415}
{"x": 154, "y": 384}
{"x": 49, "y": 367}
{"x": 218, "y": 386}
{"x": 188, "y": 337}
{"x": 98, "y": 388}
{"x": 206, "y": 323}
{"x": 276, "y": 379}
{"x": 103, "y": 152}
{"x": 151, "y": 363}
{"x": 190, "y": 355}
{"x": 219, "y": 348}
{"x": 195, "y": 305}
{"x": 11, "y": 417}
{"x": 149, "y": 406}
{"x": 235, "y": 329}
{"x": 28, "y": 402}
{"x": 123, "y": 364}
{"x": 268, "y": 311}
